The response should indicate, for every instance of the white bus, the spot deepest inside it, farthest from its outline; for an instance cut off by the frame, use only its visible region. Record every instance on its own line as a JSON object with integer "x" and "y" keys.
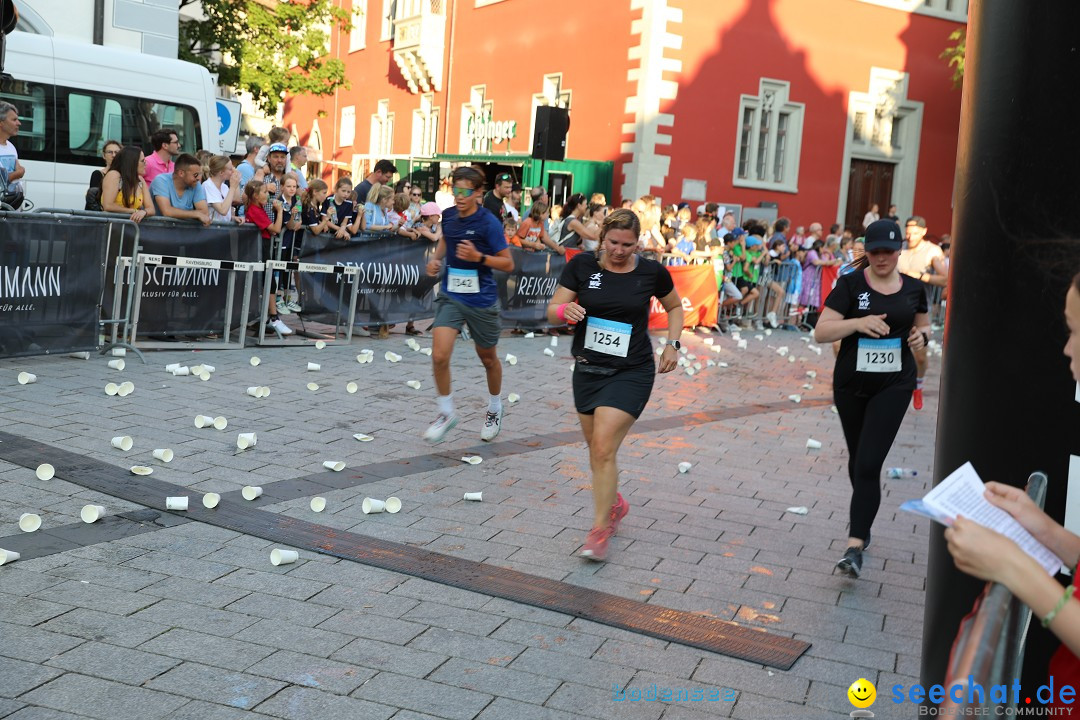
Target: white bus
{"x": 72, "y": 97}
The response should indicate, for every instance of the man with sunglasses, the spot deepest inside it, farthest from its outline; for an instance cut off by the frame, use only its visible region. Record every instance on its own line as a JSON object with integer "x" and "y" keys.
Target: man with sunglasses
{"x": 495, "y": 200}
{"x": 473, "y": 244}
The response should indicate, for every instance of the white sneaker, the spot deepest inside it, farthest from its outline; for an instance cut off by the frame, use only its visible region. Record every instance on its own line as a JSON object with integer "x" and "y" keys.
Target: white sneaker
{"x": 279, "y": 326}
{"x": 771, "y": 317}
{"x": 492, "y": 426}
{"x": 283, "y": 308}
{"x": 294, "y": 306}
{"x": 442, "y": 425}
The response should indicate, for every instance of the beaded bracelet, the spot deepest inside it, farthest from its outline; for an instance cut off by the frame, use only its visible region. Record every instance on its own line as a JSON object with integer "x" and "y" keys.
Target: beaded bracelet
{"x": 1057, "y": 608}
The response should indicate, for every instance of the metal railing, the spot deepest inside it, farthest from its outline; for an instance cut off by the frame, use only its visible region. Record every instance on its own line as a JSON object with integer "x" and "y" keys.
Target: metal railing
{"x": 989, "y": 648}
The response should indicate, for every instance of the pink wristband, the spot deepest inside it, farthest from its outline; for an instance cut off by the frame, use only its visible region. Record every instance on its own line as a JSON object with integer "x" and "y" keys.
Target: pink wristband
{"x": 561, "y": 312}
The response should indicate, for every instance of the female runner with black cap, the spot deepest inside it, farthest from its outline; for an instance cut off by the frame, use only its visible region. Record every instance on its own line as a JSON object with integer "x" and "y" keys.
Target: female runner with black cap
{"x": 880, "y": 317}
{"x": 607, "y": 294}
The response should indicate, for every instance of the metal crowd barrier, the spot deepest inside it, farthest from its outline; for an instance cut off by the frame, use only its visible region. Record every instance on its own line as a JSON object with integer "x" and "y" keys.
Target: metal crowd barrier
{"x": 290, "y": 267}
{"x": 989, "y": 648}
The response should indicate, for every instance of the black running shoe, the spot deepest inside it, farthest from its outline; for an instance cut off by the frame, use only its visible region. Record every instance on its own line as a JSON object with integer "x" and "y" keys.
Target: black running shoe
{"x": 866, "y": 542}
{"x": 851, "y": 563}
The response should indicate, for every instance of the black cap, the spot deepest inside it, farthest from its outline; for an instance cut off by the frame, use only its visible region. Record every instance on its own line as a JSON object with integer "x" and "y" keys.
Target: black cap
{"x": 883, "y": 235}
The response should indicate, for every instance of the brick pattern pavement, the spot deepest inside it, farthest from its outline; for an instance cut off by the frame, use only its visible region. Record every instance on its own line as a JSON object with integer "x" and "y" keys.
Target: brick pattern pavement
{"x": 193, "y": 621}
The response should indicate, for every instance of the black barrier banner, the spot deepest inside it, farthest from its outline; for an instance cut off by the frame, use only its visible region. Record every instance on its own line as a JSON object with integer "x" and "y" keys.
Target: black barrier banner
{"x": 191, "y": 300}
{"x": 51, "y": 283}
{"x": 524, "y": 294}
{"x": 394, "y": 284}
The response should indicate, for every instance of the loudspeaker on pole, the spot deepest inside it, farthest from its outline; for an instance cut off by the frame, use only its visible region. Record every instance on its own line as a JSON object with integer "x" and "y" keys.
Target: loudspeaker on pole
{"x": 549, "y": 138}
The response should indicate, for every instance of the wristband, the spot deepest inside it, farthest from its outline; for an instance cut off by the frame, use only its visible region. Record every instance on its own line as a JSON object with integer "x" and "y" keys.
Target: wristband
{"x": 1057, "y": 608}
{"x": 560, "y": 311}
{"x": 926, "y": 338}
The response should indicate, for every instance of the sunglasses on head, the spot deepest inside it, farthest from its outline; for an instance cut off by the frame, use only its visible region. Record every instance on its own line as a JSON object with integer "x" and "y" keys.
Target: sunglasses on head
{"x": 463, "y": 192}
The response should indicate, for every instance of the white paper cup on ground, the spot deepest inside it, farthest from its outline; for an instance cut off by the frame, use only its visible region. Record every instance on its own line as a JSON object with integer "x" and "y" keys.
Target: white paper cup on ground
{"x": 549, "y": 352}
{"x": 250, "y": 492}
{"x": 317, "y": 504}
{"x": 685, "y": 467}
{"x": 391, "y": 356}
{"x": 122, "y": 442}
{"x": 335, "y": 465}
{"x": 111, "y": 389}
{"x": 125, "y": 388}
{"x": 45, "y": 471}
{"x": 472, "y": 459}
{"x": 283, "y": 557}
{"x": 91, "y": 513}
{"x": 813, "y": 444}
{"x": 795, "y": 398}
{"x": 265, "y": 391}
{"x": 204, "y": 375}
{"x": 512, "y": 398}
{"x": 141, "y": 470}
{"x": 246, "y": 440}
{"x": 351, "y": 388}
{"x": 254, "y": 361}
{"x": 29, "y": 522}
{"x": 475, "y": 497}
{"x": 554, "y": 342}
{"x": 80, "y": 355}
{"x": 811, "y": 374}
{"x": 163, "y": 454}
{"x": 117, "y": 364}
{"x": 182, "y": 371}
{"x": 26, "y": 378}
{"x": 414, "y": 384}
{"x": 313, "y": 386}
{"x": 320, "y": 344}
{"x": 8, "y": 556}
{"x": 172, "y": 366}
{"x": 209, "y": 368}
{"x": 118, "y": 352}
{"x": 255, "y": 391}
{"x": 800, "y": 510}
{"x": 221, "y": 422}
{"x": 530, "y": 335}
{"x": 211, "y": 500}
{"x": 426, "y": 351}
{"x": 202, "y": 421}
{"x": 511, "y": 359}
{"x": 176, "y": 503}
{"x": 393, "y": 505}
{"x": 371, "y": 505}
{"x": 314, "y": 367}
{"x": 363, "y": 438}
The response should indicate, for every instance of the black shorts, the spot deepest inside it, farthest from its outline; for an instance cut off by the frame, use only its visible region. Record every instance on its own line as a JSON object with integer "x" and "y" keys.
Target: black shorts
{"x": 627, "y": 389}
{"x": 744, "y": 285}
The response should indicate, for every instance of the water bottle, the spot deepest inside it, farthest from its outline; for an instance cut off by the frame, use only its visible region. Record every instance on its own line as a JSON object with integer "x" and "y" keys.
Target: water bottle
{"x": 896, "y": 473}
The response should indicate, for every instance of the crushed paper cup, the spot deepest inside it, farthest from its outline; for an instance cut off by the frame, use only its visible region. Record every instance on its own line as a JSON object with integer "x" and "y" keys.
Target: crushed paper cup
{"x": 29, "y": 522}
{"x": 283, "y": 557}
{"x": 91, "y": 513}
{"x": 690, "y": 371}
{"x": 413, "y": 345}
{"x": 685, "y": 467}
{"x": 807, "y": 386}
{"x": 791, "y": 358}
{"x": 391, "y": 356}
{"x": 663, "y": 341}
{"x": 511, "y": 359}
{"x": 26, "y": 378}
{"x": 813, "y": 444}
{"x": 313, "y": 386}
{"x": 735, "y": 335}
{"x": 472, "y": 459}
{"x": 220, "y": 422}
{"x": 202, "y": 421}
{"x": 141, "y": 470}
{"x": 475, "y": 496}
{"x": 351, "y": 388}
{"x": 742, "y": 344}
{"x": 363, "y": 438}
{"x": 335, "y": 465}
{"x": 211, "y": 500}
{"x": 708, "y": 341}
{"x": 164, "y": 455}
{"x": 393, "y": 505}
{"x": 125, "y": 388}
{"x": 782, "y": 351}
{"x": 8, "y": 556}
{"x": 768, "y": 332}
{"x": 512, "y": 398}
{"x": 811, "y": 374}
{"x": 530, "y": 335}
{"x": 414, "y": 384}
{"x": 371, "y": 505}
{"x": 254, "y": 361}
{"x": 45, "y": 471}
{"x": 660, "y": 351}
{"x": 246, "y": 440}
{"x": 317, "y": 504}
{"x": 833, "y": 408}
{"x": 250, "y": 492}
{"x": 122, "y": 442}
{"x": 722, "y": 364}
{"x": 426, "y": 351}
{"x": 176, "y": 503}
{"x": 118, "y": 352}
{"x": 683, "y": 350}
{"x": 111, "y": 389}
{"x": 716, "y": 349}
{"x": 795, "y": 398}
{"x": 710, "y": 363}
{"x": 197, "y": 369}
{"x": 80, "y": 355}
{"x": 209, "y": 368}
{"x": 554, "y": 342}
{"x": 314, "y": 367}
{"x": 697, "y": 366}
{"x": 805, "y": 339}
{"x": 759, "y": 338}
{"x": 117, "y": 364}
{"x": 171, "y": 366}
{"x": 549, "y": 352}
{"x": 320, "y": 344}
{"x": 800, "y": 510}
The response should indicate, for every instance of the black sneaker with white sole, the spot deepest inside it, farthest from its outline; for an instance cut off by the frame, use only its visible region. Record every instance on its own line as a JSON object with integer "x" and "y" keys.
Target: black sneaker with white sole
{"x": 851, "y": 563}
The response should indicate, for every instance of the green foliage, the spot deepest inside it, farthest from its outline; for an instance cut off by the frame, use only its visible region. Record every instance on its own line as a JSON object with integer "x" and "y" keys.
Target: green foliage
{"x": 954, "y": 55}
{"x": 267, "y": 48}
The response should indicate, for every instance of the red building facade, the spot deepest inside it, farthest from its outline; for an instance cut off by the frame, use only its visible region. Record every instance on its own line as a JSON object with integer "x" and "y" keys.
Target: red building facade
{"x": 810, "y": 108}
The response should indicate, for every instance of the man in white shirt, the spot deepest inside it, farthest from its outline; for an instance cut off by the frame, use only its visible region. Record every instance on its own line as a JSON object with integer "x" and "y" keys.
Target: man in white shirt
{"x": 11, "y": 170}
{"x": 924, "y": 261}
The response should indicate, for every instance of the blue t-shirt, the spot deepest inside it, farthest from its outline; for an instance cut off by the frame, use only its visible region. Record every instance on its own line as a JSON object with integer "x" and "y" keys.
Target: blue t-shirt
{"x": 247, "y": 171}
{"x": 484, "y": 231}
{"x": 374, "y": 215}
{"x": 684, "y": 246}
{"x": 163, "y": 186}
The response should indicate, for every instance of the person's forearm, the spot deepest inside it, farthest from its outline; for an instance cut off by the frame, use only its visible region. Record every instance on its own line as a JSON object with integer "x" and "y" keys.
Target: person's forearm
{"x": 1064, "y": 544}
{"x": 498, "y": 262}
{"x": 832, "y": 330}
{"x": 674, "y": 323}
{"x": 17, "y": 174}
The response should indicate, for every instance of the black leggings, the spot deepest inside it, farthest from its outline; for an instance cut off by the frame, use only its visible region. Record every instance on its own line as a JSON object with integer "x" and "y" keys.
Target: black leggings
{"x": 870, "y": 425}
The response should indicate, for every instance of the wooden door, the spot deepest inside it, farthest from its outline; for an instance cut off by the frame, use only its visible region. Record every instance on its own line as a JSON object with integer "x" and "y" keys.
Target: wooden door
{"x": 868, "y": 182}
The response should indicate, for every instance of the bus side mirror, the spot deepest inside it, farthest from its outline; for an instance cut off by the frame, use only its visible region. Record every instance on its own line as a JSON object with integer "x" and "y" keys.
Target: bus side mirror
{"x": 9, "y": 18}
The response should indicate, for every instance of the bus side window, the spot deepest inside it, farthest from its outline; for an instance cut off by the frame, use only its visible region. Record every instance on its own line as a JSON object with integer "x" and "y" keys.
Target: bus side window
{"x": 34, "y": 103}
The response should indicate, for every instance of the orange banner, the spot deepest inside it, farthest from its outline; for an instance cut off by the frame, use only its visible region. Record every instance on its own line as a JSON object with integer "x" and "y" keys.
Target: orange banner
{"x": 829, "y": 273}
{"x": 696, "y": 285}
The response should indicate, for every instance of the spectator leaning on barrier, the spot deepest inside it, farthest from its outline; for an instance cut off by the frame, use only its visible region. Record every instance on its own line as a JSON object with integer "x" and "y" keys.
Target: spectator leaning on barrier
{"x": 123, "y": 189}
{"x": 165, "y": 146}
{"x": 222, "y": 188}
{"x": 416, "y": 200}
{"x": 247, "y": 165}
{"x": 11, "y": 170}
{"x": 340, "y": 210}
{"x": 314, "y": 200}
{"x": 178, "y": 194}
{"x": 109, "y": 150}
{"x": 376, "y": 217}
{"x": 298, "y": 164}
{"x": 381, "y": 174}
{"x": 273, "y": 174}
{"x": 256, "y": 196}
{"x": 532, "y": 231}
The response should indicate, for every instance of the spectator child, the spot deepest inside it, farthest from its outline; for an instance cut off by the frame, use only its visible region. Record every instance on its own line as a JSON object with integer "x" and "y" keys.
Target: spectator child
{"x": 376, "y": 217}
{"x": 399, "y": 215}
{"x": 683, "y": 246}
{"x": 222, "y": 187}
{"x": 256, "y": 195}
{"x": 277, "y": 135}
{"x": 532, "y": 232}
{"x": 312, "y": 202}
{"x": 510, "y": 228}
{"x": 430, "y": 222}
{"x": 340, "y": 210}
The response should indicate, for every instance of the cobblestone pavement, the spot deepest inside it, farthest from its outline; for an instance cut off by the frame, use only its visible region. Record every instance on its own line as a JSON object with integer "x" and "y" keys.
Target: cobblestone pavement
{"x": 179, "y": 619}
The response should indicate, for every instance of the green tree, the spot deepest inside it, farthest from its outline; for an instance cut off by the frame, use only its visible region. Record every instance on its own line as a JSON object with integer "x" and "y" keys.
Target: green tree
{"x": 267, "y": 48}
{"x": 954, "y": 55}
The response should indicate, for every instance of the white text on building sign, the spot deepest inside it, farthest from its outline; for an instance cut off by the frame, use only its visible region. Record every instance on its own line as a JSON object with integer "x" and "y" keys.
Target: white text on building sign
{"x": 481, "y": 129}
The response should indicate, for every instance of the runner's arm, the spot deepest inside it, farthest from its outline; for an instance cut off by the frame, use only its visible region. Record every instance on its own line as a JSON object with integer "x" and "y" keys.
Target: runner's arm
{"x": 563, "y": 296}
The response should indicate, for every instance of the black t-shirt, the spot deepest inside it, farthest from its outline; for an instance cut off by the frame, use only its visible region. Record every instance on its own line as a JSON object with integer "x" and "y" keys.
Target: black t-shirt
{"x": 854, "y": 298}
{"x": 616, "y": 305}
{"x": 362, "y": 191}
{"x": 341, "y": 214}
{"x": 495, "y": 205}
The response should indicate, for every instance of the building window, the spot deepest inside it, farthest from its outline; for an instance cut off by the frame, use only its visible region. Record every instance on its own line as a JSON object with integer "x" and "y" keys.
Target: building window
{"x": 425, "y": 127}
{"x": 358, "y": 34}
{"x": 386, "y": 28}
{"x": 955, "y": 10}
{"x": 382, "y": 130}
{"x": 348, "y": 126}
{"x": 770, "y": 137}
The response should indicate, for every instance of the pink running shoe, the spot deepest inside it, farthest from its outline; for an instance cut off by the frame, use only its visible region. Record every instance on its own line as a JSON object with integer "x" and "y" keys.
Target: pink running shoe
{"x": 596, "y": 544}
{"x": 618, "y": 512}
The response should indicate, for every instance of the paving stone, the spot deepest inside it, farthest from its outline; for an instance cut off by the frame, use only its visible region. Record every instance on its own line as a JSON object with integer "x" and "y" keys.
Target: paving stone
{"x": 29, "y": 611}
{"x": 34, "y": 644}
{"x": 423, "y": 696}
{"x": 110, "y": 662}
{"x": 314, "y": 672}
{"x": 288, "y": 637}
{"x": 199, "y": 710}
{"x": 589, "y": 702}
{"x": 208, "y": 649}
{"x": 202, "y": 682}
{"x": 126, "y": 631}
{"x": 571, "y": 668}
{"x": 289, "y": 587}
{"x": 211, "y": 595}
{"x": 494, "y": 680}
{"x": 296, "y": 703}
{"x": 470, "y": 647}
{"x": 379, "y": 655}
{"x": 293, "y": 612}
{"x": 103, "y": 698}
{"x": 544, "y": 637}
{"x": 76, "y": 593}
{"x": 20, "y": 677}
{"x": 376, "y": 627}
{"x": 41, "y": 713}
{"x": 503, "y": 708}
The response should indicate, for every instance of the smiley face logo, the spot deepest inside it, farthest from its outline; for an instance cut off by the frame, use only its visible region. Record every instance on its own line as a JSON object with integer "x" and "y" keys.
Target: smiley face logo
{"x": 862, "y": 693}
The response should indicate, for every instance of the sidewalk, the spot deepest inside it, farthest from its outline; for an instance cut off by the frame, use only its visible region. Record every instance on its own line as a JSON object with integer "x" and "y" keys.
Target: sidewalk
{"x": 159, "y": 617}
